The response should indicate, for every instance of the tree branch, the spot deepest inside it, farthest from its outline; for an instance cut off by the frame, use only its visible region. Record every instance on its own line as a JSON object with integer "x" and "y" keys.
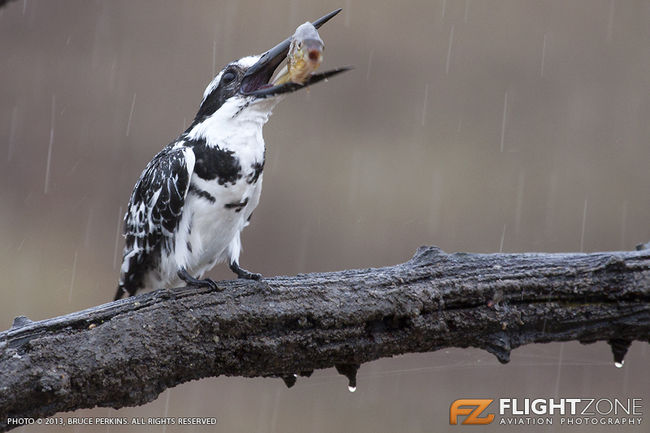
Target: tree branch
{"x": 126, "y": 353}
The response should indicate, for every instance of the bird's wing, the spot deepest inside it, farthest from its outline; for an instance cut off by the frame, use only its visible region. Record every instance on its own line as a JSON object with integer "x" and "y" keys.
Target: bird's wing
{"x": 155, "y": 211}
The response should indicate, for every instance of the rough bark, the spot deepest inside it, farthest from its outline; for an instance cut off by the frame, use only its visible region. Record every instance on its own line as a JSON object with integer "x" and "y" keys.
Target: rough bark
{"x": 127, "y": 352}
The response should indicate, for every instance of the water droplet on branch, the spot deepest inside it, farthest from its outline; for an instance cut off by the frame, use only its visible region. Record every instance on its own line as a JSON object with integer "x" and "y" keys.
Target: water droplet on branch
{"x": 349, "y": 371}
{"x": 289, "y": 380}
{"x": 619, "y": 347}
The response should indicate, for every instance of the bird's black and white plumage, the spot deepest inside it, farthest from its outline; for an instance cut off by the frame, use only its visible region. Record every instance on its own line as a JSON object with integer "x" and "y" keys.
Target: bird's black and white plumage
{"x": 193, "y": 199}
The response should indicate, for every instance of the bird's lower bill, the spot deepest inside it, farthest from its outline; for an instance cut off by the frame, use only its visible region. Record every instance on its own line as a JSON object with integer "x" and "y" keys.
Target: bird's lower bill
{"x": 284, "y": 84}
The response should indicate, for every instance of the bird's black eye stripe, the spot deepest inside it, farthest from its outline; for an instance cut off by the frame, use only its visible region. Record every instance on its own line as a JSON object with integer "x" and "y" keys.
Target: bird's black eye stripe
{"x": 228, "y": 77}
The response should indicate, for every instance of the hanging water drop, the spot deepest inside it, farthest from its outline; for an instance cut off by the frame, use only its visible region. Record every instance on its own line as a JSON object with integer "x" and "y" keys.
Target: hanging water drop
{"x": 289, "y": 380}
{"x": 619, "y": 347}
{"x": 349, "y": 371}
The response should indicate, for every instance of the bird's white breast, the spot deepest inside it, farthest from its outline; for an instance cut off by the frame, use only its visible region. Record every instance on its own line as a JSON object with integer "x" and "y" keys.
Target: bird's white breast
{"x": 209, "y": 230}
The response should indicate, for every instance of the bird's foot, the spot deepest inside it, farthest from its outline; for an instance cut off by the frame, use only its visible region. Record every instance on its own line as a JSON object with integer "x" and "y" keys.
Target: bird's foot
{"x": 195, "y": 282}
{"x": 243, "y": 273}
{"x": 121, "y": 291}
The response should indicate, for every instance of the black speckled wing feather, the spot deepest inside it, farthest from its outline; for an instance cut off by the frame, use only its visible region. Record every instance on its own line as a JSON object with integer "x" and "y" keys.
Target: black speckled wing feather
{"x": 154, "y": 212}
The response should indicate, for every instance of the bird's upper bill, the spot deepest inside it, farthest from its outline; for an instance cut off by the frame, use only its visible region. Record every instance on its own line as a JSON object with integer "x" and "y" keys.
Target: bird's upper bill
{"x": 256, "y": 81}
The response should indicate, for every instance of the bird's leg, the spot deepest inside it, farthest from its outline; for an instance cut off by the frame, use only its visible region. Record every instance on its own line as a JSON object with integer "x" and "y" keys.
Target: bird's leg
{"x": 195, "y": 282}
{"x": 243, "y": 273}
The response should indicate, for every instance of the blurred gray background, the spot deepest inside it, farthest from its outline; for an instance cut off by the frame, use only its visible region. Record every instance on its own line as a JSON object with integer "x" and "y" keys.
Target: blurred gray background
{"x": 475, "y": 126}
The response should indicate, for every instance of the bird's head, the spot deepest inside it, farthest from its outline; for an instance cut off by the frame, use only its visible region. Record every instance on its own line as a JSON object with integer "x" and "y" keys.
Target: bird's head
{"x": 243, "y": 89}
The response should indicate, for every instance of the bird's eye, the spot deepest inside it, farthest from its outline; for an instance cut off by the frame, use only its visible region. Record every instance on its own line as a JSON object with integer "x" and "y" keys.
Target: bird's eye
{"x": 228, "y": 77}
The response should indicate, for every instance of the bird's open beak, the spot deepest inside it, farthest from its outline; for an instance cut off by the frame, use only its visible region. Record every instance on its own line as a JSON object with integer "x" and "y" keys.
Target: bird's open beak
{"x": 257, "y": 77}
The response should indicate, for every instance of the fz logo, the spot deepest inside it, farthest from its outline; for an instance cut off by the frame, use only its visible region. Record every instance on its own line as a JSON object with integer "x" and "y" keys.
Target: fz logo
{"x": 471, "y": 408}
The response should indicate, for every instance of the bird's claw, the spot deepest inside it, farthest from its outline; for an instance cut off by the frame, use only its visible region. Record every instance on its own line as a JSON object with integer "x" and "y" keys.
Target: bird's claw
{"x": 208, "y": 282}
{"x": 243, "y": 273}
{"x": 195, "y": 282}
{"x": 250, "y": 276}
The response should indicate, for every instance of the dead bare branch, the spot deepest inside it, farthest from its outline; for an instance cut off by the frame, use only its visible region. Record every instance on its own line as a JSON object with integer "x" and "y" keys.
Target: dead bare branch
{"x": 126, "y": 353}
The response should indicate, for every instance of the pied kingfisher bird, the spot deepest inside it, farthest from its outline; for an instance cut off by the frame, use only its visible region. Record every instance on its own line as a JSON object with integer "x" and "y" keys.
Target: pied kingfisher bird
{"x": 192, "y": 201}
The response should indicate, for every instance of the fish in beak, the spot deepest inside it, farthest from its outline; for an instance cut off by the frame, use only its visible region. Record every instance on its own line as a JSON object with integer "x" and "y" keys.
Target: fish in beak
{"x": 303, "y": 51}
{"x": 305, "y": 55}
